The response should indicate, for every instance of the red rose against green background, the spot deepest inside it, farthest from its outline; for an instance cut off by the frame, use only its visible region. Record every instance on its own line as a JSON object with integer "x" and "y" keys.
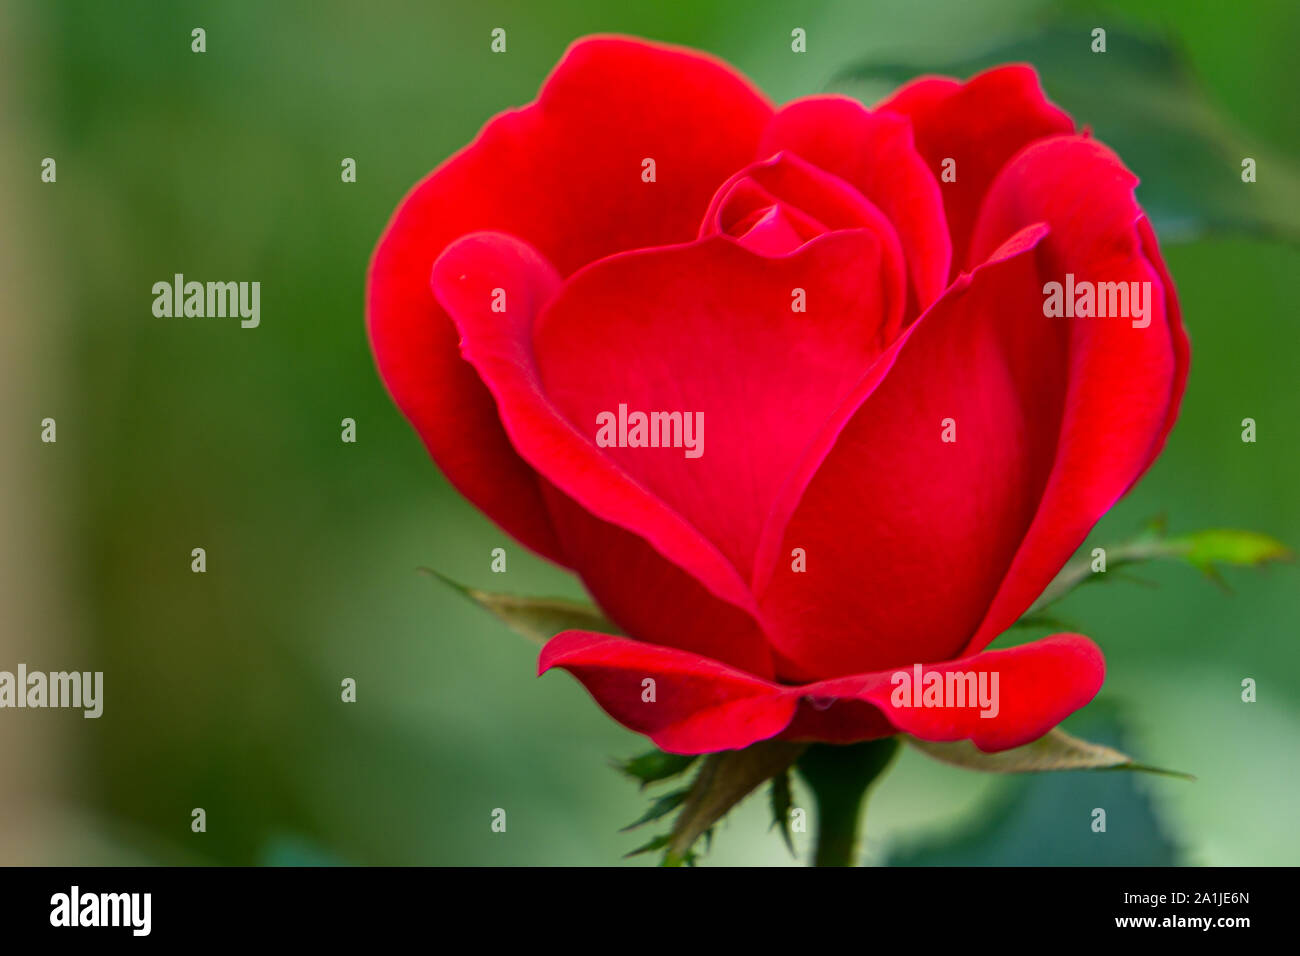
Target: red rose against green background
{"x": 830, "y": 533}
{"x": 816, "y": 399}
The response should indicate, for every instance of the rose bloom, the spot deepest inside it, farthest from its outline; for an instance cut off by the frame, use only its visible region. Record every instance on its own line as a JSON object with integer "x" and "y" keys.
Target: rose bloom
{"x": 902, "y": 449}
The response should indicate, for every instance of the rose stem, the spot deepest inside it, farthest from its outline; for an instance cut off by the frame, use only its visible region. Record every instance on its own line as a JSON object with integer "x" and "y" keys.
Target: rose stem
{"x": 839, "y": 776}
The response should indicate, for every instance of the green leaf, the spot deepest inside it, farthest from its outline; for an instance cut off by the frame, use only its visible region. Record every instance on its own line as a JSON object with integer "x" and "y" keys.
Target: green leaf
{"x": 723, "y": 780}
{"x": 1056, "y": 750}
{"x": 656, "y": 765}
{"x": 660, "y": 808}
{"x": 1203, "y": 550}
{"x": 658, "y": 843}
{"x": 538, "y": 619}
{"x": 1046, "y": 819}
{"x": 1206, "y": 549}
{"x": 782, "y": 801}
{"x": 1140, "y": 98}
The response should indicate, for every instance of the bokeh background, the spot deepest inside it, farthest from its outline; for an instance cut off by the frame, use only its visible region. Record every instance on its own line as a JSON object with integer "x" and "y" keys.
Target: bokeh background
{"x": 223, "y": 688}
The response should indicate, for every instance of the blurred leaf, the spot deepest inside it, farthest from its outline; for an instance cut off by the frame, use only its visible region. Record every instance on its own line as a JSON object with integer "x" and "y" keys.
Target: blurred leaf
{"x": 656, "y": 765}
{"x": 1055, "y": 750}
{"x": 538, "y": 619}
{"x": 1139, "y": 98}
{"x": 291, "y": 850}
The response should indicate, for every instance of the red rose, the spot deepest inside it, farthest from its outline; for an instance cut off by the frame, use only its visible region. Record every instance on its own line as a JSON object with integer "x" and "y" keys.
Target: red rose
{"x": 905, "y": 439}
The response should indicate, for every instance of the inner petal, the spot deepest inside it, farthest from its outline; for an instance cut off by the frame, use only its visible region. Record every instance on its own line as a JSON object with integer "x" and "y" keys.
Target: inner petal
{"x": 703, "y": 371}
{"x": 771, "y": 232}
{"x": 774, "y": 206}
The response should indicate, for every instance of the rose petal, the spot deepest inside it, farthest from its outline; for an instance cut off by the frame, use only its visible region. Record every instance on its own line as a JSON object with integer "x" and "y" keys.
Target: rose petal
{"x": 691, "y": 705}
{"x": 874, "y": 153}
{"x": 482, "y": 269}
{"x": 1123, "y": 384}
{"x": 687, "y": 703}
{"x": 649, "y": 596}
{"x": 564, "y": 174}
{"x": 980, "y": 124}
{"x": 709, "y": 330}
{"x": 1037, "y": 686}
{"x": 810, "y": 201}
{"x": 905, "y": 537}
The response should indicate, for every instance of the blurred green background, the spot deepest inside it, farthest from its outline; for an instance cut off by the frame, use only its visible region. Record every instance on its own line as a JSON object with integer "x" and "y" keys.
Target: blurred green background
{"x": 223, "y": 688}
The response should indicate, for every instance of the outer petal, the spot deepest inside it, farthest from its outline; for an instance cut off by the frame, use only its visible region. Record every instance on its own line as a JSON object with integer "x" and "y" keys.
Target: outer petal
{"x": 564, "y": 174}
{"x": 980, "y": 124}
{"x": 694, "y": 705}
{"x": 1177, "y": 332}
{"x": 874, "y": 153}
{"x": 906, "y": 536}
{"x": 481, "y": 270}
{"x": 649, "y": 596}
{"x": 690, "y": 704}
{"x": 1034, "y": 687}
{"x": 1124, "y": 383}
